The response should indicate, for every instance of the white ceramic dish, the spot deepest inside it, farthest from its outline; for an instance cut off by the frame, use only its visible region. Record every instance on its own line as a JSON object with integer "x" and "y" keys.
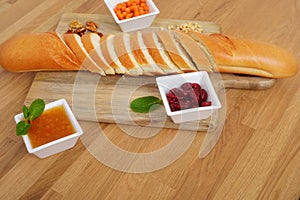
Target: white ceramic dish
{"x": 59, "y": 145}
{"x": 134, "y": 23}
{"x": 166, "y": 83}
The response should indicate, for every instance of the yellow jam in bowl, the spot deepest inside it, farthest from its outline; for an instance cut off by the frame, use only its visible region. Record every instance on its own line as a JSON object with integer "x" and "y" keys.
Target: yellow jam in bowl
{"x": 53, "y": 124}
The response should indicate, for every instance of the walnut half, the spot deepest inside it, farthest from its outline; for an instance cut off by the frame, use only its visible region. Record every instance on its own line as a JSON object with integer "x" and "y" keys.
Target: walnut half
{"x": 91, "y": 26}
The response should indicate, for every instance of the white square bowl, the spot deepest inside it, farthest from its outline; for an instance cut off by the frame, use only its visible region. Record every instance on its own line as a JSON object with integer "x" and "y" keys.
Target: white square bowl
{"x": 58, "y": 145}
{"x": 134, "y": 23}
{"x": 166, "y": 83}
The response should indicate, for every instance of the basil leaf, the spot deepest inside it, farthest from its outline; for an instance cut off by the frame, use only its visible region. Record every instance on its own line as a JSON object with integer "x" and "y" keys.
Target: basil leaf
{"x": 25, "y": 112}
{"x": 145, "y": 104}
{"x": 36, "y": 109}
{"x": 22, "y": 128}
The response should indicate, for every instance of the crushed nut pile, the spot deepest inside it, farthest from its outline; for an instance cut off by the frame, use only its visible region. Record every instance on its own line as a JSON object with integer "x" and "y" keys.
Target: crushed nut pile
{"x": 77, "y": 27}
{"x": 187, "y": 27}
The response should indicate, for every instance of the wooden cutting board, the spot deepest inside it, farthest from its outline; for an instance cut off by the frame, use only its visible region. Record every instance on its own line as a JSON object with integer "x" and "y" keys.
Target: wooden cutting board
{"x": 107, "y": 99}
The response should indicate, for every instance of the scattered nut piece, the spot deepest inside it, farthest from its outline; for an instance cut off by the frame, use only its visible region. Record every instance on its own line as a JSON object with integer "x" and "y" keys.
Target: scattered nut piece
{"x": 187, "y": 27}
{"x": 75, "y": 24}
{"x": 91, "y": 26}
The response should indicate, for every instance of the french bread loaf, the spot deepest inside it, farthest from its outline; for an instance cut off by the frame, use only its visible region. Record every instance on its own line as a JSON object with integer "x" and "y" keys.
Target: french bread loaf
{"x": 146, "y": 53}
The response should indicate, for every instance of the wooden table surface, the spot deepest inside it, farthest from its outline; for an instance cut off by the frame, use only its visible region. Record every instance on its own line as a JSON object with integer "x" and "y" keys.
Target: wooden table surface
{"x": 256, "y": 157}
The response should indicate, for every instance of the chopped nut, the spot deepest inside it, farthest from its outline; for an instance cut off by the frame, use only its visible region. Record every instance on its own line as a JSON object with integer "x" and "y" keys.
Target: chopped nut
{"x": 187, "y": 27}
{"x": 171, "y": 27}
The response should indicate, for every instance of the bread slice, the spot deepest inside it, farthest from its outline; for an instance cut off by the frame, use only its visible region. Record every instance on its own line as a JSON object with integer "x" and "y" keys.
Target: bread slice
{"x": 175, "y": 51}
{"x": 109, "y": 54}
{"x": 91, "y": 42}
{"x": 125, "y": 55}
{"x": 37, "y": 52}
{"x": 158, "y": 53}
{"x": 142, "y": 55}
{"x": 198, "y": 54}
{"x": 139, "y": 54}
{"x": 75, "y": 44}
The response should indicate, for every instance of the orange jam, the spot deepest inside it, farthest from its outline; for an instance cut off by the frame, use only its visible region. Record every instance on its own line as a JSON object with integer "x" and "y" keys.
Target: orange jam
{"x": 51, "y": 125}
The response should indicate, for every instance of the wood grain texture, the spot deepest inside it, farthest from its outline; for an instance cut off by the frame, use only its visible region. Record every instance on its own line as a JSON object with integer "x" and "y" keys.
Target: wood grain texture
{"x": 257, "y": 156}
{"x": 108, "y": 25}
{"x": 107, "y": 99}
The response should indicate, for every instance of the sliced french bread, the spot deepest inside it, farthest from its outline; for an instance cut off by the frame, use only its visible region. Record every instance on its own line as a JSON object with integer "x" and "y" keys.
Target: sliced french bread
{"x": 199, "y": 55}
{"x": 124, "y": 53}
{"x": 158, "y": 53}
{"x": 91, "y": 42}
{"x": 109, "y": 54}
{"x": 76, "y": 45}
{"x": 51, "y": 51}
{"x": 142, "y": 55}
{"x": 175, "y": 51}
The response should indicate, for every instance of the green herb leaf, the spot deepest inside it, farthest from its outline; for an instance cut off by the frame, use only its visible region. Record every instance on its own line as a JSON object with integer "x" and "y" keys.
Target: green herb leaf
{"x": 25, "y": 112}
{"x": 145, "y": 104}
{"x": 22, "y": 128}
{"x": 36, "y": 109}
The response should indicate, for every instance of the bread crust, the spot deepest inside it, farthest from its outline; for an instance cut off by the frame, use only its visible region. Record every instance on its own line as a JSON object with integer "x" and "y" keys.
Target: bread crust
{"x": 234, "y": 55}
{"x": 37, "y": 52}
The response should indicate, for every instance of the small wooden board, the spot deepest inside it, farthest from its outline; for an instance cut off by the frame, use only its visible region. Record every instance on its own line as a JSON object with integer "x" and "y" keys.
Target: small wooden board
{"x": 107, "y": 99}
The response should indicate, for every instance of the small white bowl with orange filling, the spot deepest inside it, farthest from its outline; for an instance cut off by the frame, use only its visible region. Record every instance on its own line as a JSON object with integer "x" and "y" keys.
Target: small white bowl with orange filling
{"x": 139, "y": 19}
{"x": 56, "y": 130}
